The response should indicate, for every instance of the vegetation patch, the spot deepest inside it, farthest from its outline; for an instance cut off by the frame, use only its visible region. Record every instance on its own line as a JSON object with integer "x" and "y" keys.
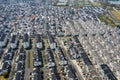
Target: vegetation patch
{"x": 116, "y": 14}
{"x": 107, "y": 20}
{"x": 2, "y": 78}
{"x": 28, "y": 60}
{"x": 96, "y": 3}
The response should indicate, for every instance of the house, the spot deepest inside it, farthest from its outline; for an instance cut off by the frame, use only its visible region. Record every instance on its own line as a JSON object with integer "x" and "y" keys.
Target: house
{"x": 74, "y": 53}
{"x": 51, "y": 41}
{"x": 36, "y": 74}
{"x": 20, "y": 58}
{"x": 68, "y": 33}
{"x": 18, "y": 76}
{"x": 60, "y": 33}
{"x": 14, "y": 42}
{"x": 19, "y": 67}
{"x": 21, "y": 55}
{"x": 39, "y": 41}
{"x": 26, "y": 41}
{"x": 21, "y": 51}
{"x": 5, "y": 68}
{"x": 3, "y": 40}
{"x": 1, "y": 52}
{"x": 8, "y": 56}
{"x": 76, "y": 40}
{"x": 76, "y": 33}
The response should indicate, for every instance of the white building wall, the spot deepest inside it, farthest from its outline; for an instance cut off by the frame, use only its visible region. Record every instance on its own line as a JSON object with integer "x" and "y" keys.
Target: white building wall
{"x": 3, "y": 43}
{"x": 39, "y": 45}
{"x": 13, "y": 45}
{"x": 26, "y": 44}
{"x": 53, "y": 45}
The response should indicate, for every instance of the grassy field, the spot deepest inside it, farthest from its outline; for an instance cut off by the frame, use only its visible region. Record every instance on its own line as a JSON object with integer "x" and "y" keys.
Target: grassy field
{"x": 96, "y": 3}
{"x": 28, "y": 60}
{"x": 116, "y": 14}
{"x": 2, "y": 78}
{"x": 107, "y": 20}
{"x": 81, "y": 3}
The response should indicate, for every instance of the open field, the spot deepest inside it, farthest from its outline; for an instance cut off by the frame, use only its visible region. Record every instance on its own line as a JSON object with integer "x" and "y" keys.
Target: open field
{"x": 107, "y": 20}
{"x": 116, "y": 14}
{"x": 28, "y": 59}
{"x": 2, "y": 78}
{"x": 96, "y": 3}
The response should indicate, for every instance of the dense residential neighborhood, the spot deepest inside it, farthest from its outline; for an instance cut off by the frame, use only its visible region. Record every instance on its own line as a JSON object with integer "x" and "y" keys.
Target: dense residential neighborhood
{"x": 59, "y": 40}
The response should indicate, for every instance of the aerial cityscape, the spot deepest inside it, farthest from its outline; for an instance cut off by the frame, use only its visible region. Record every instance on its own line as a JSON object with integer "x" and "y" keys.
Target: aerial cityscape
{"x": 59, "y": 39}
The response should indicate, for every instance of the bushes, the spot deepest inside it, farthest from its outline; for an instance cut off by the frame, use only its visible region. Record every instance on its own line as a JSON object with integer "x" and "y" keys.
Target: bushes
{"x": 107, "y": 20}
{"x": 116, "y": 14}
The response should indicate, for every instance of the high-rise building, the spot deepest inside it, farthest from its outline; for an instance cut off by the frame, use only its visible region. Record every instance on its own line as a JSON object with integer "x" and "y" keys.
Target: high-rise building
{"x": 114, "y": 1}
{"x": 109, "y": 1}
{"x": 71, "y": 2}
{"x": 82, "y": 2}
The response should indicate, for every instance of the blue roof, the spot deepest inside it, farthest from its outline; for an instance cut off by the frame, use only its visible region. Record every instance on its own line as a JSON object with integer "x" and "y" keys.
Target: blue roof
{"x": 2, "y": 37}
{"x": 18, "y": 76}
{"x": 13, "y": 39}
{"x": 5, "y": 66}
{"x": 108, "y": 72}
{"x": 86, "y": 59}
{"x": 21, "y": 50}
{"x": 19, "y": 66}
{"x": 25, "y": 38}
{"x": 38, "y": 38}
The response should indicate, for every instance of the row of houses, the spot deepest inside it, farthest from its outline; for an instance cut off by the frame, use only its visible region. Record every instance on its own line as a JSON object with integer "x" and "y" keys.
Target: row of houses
{"x": 6, "y": 63}
{"x": 105, "y": 56}
{"x": 50, "y": 58}
{"x": 51, "y": 40}
{"x": 106, "y": 70}
{"x": 70, "y": 74}
{"x": 53, "y": 75}
{"x": 100, "y": 47}
{"x": 61, "y": 56}
{"x": 26, "y": 41}
{"x": 73, "y": 53}
{"x": 20, "y": 65}
{"x": 37, "y": 58}
{"x": 36, "y": 74}
{"x": 81, "y": 57}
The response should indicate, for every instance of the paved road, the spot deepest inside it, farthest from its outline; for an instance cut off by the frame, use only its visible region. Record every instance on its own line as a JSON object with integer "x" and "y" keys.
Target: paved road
{"x": 27, "y": 69}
